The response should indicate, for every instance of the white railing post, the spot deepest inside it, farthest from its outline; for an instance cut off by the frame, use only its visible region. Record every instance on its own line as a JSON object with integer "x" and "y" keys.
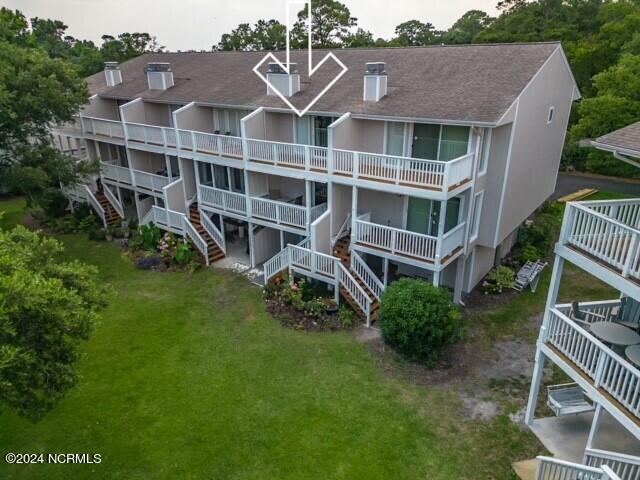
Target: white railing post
{"x": 632, "y": 256}
{"x": 356, "y": 164}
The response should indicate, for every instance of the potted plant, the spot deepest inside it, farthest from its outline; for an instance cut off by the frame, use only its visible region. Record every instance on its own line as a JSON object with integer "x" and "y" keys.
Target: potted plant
{"x": 330, "y": 306}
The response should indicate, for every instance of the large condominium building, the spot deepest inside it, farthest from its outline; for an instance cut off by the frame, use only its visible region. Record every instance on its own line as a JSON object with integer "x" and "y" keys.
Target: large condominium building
{"x": 418, "y": 161}
{"x": 595, "y": 343}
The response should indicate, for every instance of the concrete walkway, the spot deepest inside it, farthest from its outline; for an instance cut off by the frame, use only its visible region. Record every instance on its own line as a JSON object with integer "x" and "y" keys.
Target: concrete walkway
{"x": 566, "y": 437}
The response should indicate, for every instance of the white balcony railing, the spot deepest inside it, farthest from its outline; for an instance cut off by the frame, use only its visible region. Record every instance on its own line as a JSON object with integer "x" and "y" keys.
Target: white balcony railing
{"x": 368, "y": 166}
{"x": 362, "y": 270}
{"x": 281, "y": 213}
{"x": 151, "y": 135}
{"x": 150, "y": 181}
{"x": 555, "y": 469}
{"x": 588, "y": 227}
{"x": 623, "y": 211}
{"x": 116, "y": 173}
{"x": 627, "y": 467}
{"x": 211, "y": 143}
{"x": 223, "y": 200}
{"x": 102, "y": 127}
{"x": 608, "y": 370}
{"x": 213, "y": 231}
{"x": 403, "y": 242}
{"x": 317, "y": 212}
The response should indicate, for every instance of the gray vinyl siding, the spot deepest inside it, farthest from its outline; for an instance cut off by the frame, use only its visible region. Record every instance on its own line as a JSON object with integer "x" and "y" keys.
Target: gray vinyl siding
{"x": 537, "y": 145}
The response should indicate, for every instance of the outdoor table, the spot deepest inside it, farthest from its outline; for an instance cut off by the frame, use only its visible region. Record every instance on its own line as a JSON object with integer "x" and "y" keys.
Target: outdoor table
{"x": 615, "y": 335}
{"x": 633, "y": 354}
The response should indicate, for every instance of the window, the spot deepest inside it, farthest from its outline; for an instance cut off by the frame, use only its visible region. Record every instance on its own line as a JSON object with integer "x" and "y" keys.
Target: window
{"x": 550, "y": 115}
{"x": 204, "y": 172}
{"x": 320, "y": 134}
{"x": 303, "y": 130}
{"x": 439, "y": 142}
{"x": 220, "y": 176}
{"x": 477, "y": 212}
{"x": 237, "y": 177}
{"x": 395, "y": 139}
{"x": 485, "y": 146}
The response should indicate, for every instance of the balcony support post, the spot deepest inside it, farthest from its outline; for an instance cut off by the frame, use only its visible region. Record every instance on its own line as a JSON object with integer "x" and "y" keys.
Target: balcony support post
{"x": 354, "y": 212}
{"x": 595, "y": 426}
{"x": 385, "y": 271}
{"x": 251, "y": 249}
{"x": 536, "y": 381}
{"x": 307, "y": 198}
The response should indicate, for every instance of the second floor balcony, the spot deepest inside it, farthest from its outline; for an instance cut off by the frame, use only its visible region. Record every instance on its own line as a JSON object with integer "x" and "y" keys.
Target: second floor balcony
{"x": 603, "y": 369}
{"x": 403, "y": 245}
{"x": 605, "y": 234}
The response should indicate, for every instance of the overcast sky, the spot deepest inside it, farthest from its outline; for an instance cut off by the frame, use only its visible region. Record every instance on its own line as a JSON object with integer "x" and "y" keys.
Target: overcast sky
{"x": 198, "y": 24}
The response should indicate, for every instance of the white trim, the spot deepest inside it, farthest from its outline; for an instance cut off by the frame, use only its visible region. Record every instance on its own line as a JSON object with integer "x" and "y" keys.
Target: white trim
{"x": 475, "y": 216}
{"x": 506, "y": 176}
{"x": 487, "y": 136}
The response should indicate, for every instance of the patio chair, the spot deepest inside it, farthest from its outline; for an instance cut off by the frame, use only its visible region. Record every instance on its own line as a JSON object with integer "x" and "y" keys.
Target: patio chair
{"x": 629, "y": 313}
{"x": 580, "y": 317}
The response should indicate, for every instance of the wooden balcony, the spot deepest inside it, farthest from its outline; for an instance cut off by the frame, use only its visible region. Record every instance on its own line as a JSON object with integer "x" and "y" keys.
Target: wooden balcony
{"x": 223, "y": 200}
{"x": 100, "y": 127}
{"x": 406, "y": 245}
{"x": 151, "y": 135}
{"x": 117, "y": 174}
{"x": 603, "y": 371}
{"x": 606, "y": 233}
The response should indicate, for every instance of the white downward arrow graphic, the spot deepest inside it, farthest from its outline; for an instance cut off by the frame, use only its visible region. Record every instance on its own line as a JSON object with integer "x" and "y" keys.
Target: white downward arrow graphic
{"x": 312, "y": 69}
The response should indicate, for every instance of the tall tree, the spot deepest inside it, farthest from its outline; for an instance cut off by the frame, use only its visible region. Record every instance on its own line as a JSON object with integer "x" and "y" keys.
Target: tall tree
{"x": 415, "y": 33}
{"x": 468, "y": 27}
{"x": 47, "y": 308}
{"x": 331, "y": 25}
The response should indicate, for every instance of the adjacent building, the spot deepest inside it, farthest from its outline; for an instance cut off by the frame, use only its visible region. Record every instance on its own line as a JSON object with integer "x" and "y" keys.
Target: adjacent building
{"x": 596, "y": 344}
{"x": 417, "y": 162}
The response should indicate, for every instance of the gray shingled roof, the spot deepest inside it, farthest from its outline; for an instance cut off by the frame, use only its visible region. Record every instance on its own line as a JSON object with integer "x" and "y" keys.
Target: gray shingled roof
{"x": 467, "y": 83}
{"x": 626, "y": 139}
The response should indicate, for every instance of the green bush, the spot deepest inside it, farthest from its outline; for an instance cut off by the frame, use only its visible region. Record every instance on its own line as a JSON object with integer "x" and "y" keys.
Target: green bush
{"x": 499, "y": 279}
{"x": 147, "y": 237}
{"x": 419, "y": 320}
{"x": 88, "y": 224}
{"x": 53, "y": 203}
{"x": 543, "y": 231}
{"x": 184, "y": 254}
{"x": 347, "y": 316}
{"x": 82, "y": 211}
{"x": 529, "y": 253}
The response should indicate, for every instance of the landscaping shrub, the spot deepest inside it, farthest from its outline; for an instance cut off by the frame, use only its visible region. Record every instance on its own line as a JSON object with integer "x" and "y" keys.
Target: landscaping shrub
{"x": 542, "y": 232}
{"x": 419, "y": 320}
{"x": 53, "y": 203}
{"x": 529, "y": 253}
{"x": 499, "y": 279}
{"x": 146, "y": 237}
{"x": 88, "y": 224}
{"x": 347, "y": 316}
{"x": 148, "y": 262}
{"x": 82, "y": 211}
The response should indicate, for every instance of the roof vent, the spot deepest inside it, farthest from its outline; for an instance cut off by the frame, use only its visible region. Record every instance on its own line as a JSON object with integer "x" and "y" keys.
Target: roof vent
{"x": 375, "y": 82}
{"x": 159, "y": 75}
{"x": 112, "y": 74}
{"x": 288, "y": 84}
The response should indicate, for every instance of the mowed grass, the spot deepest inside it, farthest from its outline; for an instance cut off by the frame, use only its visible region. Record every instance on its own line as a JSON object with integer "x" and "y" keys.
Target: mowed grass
{"x": 187, "y": 376}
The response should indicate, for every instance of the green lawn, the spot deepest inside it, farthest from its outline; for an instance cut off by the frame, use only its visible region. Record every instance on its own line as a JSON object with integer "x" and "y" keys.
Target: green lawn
{"x": 186, "y": 376}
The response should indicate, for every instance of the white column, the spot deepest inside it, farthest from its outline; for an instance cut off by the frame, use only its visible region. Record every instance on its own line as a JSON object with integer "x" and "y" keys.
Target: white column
{"x": 457, "y": 289}
{"x": 330, "y": 208}
{"x": 436, "y": 279}
{"x": 354, "y": 210}
{"x": 167, "y": 162}
{"x": 385, "y": 270}
{"x": 595, "y": 426}
{"x": 535, "y": 387}
{"x": 281, "y": 239}
{"x": 307, "y": 194}
{"x": 251, "y": 254}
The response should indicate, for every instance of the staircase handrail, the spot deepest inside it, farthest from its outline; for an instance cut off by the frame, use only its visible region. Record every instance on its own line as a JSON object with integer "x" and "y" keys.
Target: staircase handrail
{"x": 113, "y": 200}
{"x": 93, "y": 201}
{"x": 364, "y": 272}
{"x": 213, "y": 231}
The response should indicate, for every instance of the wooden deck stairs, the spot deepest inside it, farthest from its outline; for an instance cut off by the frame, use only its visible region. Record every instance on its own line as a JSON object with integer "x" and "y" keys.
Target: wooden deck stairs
{"x": 213, "y": 249}
{"x": 342, "y": 251}
{"x": 111, "y": 215}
